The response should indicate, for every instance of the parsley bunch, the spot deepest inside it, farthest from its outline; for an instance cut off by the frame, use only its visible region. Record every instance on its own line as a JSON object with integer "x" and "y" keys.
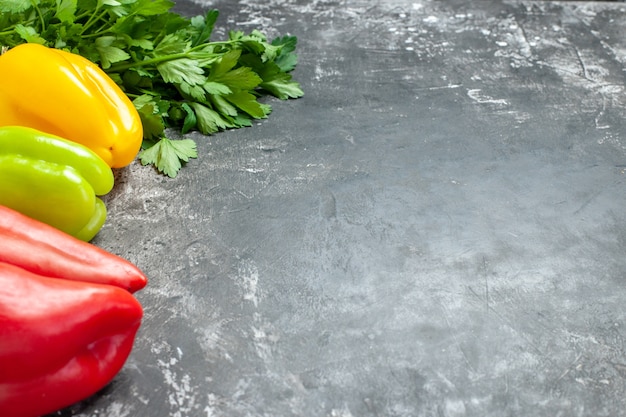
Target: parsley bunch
{"x": 166, "y": 63}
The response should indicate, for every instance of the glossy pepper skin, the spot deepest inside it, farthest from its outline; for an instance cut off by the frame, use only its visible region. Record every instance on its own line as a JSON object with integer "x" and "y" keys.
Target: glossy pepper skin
{"x": 53, "y": 180}
{"x": 44, "y": 250}
{"x": 67, "y": 95}
{"x": 61, "y": 341}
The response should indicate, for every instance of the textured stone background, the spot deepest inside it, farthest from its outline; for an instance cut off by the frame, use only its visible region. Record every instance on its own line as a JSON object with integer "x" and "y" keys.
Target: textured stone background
{"x": 436, "y": 229}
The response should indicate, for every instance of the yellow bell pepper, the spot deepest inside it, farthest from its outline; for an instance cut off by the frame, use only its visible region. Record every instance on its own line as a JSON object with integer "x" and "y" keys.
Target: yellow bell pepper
{"x": 67, "y": 95}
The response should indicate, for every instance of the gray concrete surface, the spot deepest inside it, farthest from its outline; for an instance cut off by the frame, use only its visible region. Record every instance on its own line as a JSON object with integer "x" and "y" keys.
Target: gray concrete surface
{"x": 436, "y": 229}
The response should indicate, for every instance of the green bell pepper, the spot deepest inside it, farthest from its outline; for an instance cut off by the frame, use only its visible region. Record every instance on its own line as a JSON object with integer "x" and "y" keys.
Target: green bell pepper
{"x": 53, "y": 180}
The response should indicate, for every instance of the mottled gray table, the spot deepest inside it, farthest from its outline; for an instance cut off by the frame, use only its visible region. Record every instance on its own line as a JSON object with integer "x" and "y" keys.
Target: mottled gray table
{"x": 437, "y": 228}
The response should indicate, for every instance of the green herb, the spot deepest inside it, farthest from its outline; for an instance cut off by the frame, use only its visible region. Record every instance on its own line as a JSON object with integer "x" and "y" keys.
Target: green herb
{"x": 166, "y": 63}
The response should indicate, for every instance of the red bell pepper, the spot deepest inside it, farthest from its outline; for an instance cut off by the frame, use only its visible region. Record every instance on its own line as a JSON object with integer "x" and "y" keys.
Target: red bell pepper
{"x": 60, "y": 340}
{"x": 68, "y": 319}
{"x": 45, "y": 250}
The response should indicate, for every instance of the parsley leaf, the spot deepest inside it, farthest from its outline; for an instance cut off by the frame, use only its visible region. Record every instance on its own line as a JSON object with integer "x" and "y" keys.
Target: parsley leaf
{"x": 286, "y": 59}
{"x": 151, "y": 119}
{"x": 168, "y": 155}
{"x": 29, "y": 34}
{"x": 110, "y": 51}
{"x": 65, "y": 10}
{"x": 166, "y": 63}
{"x": 14, "y": 6}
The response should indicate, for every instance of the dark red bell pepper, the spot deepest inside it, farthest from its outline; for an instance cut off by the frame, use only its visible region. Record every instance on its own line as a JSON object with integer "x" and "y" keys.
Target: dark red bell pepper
{"x": 44, "y": 250}
{"x": 60, "y": 340}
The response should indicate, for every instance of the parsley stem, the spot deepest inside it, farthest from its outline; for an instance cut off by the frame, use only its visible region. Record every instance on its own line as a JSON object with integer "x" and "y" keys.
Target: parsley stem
{"x": 154, "y": 61}
{"x": 9, "y": 30}
{"x": 146, "y": 62}
{"x": 41, "y": 19}
{"x": 80, "y": 16}
{"x": 93, "y": 18}
{"x": 94, "y": 34}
